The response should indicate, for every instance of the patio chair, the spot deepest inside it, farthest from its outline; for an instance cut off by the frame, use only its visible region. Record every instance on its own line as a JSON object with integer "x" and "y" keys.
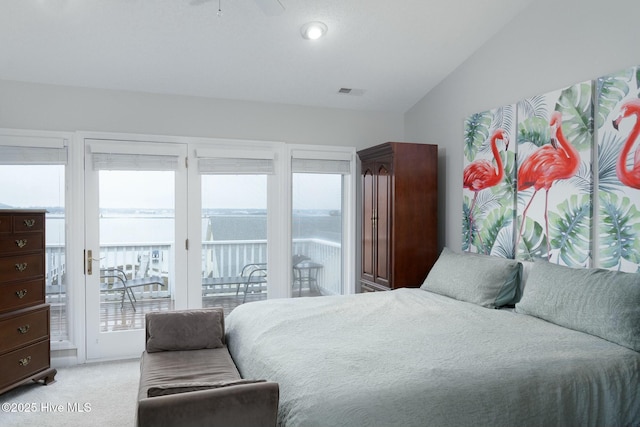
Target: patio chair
{"x": 251, "y": 274}
{"x": 117, "y": 280}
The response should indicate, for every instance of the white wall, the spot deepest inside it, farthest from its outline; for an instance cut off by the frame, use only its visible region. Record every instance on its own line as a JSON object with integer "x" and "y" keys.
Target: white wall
{"x": 550, "y": 45}
{"x": 60, "y": 108}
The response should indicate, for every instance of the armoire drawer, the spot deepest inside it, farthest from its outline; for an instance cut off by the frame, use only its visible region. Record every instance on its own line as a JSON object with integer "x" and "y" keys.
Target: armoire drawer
{"x": 21, "y": 267}
{"x": 24, "y": 362}
{"x": 23, "y": 327}
{"x": 19, "y": 243}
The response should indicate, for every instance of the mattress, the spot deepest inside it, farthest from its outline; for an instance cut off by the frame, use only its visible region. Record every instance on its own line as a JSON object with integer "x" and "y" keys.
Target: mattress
{"x": 410, "y": 357}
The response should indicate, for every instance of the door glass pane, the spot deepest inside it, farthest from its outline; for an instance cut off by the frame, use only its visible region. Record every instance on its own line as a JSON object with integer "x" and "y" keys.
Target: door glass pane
{"x": 317, "y": 234}
{"x": 234, "y": 241}
{"x": 42, "y": 187}
{"x": 137, "y": 227}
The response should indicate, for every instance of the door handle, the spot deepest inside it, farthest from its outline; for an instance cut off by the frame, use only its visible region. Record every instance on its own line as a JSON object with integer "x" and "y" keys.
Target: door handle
{"x": 89, "y": 262}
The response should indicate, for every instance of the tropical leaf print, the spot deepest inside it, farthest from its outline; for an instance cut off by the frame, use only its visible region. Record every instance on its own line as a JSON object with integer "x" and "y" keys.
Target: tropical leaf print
{"x": 582, "y": 180}
{"x": 535, "y": 106}
{"x": 507, "y": 189}
{"x": 610, "y": 90}
{"x": 619, "y": 227}
{"x": 466, "y": 236}
{"x": 571, "y": 228}
{"x": 504, "y": 118}
{"x": 495, "y": 221}
{"x": 533, "y": 242}
{"x": 608, "y": 152}
{"x": 534, "y": 130}
{"x": 486, "y": 201}
{"x": 476, "y": 131}
{"x": 504, "y": 245}
{"x": 577, "y": 115}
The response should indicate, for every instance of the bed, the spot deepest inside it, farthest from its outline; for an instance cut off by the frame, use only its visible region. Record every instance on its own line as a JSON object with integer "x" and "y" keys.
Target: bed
{"x": 452, "y": 353}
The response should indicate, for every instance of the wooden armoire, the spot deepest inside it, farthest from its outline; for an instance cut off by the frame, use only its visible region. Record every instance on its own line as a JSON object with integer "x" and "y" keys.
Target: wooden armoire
{"x": 399, "y": 214}
{"x": 24, "y": 315}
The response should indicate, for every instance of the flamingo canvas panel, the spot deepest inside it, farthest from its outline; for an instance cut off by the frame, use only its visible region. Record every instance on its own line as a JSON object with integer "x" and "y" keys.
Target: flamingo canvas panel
{"x": 488, "y": 182}
{"x": 554, "y": 178}
{"x": 617, "y": 126}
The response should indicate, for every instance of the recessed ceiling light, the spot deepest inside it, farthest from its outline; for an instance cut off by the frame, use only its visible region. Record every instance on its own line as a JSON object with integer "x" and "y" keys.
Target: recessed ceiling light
{"x": 313, "y": 30}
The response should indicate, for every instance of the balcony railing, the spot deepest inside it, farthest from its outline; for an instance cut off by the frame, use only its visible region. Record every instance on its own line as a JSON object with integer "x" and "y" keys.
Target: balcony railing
{"x": 219, "y": 259}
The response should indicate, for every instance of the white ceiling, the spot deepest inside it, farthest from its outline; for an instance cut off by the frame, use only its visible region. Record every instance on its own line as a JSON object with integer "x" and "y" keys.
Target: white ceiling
{"x": 392, "y": 52}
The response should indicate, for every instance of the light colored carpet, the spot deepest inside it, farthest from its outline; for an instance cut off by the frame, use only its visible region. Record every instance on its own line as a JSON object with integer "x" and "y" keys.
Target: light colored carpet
{"x": 94, "y": 394}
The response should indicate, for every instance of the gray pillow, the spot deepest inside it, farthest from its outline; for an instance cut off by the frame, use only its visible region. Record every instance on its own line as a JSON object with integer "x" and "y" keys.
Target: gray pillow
{"x": 175, "y": 388}
{"x": 480, "y": 279}
{"x": 185, "y": 330}
{"x": 599, "y": 302}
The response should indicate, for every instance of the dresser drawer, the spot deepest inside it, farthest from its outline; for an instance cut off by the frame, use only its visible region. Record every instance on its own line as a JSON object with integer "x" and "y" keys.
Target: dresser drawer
{"x": 23, "y": 327}
{"x": 22, "y": 363}
{"x": 28, "y": 222}
{"x": 19, "y": 295}
{"x": 18, "y": 243}
{"x": 5, "y": 223}
{"x": 21, "y": 267}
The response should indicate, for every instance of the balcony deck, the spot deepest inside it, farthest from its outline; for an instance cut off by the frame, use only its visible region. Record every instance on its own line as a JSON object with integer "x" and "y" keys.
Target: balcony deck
{"x": 114, "y": 318}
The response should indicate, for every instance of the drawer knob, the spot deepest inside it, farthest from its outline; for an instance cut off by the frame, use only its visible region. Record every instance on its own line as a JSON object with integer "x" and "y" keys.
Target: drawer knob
{"x": 21, "y": 243}
{"x": 24, "y": 329}
{"x": 29, "y": 222}
{"x": 21, "y": 293}
{"x": 21, "y": 266}
{"x": 25, "y": 361}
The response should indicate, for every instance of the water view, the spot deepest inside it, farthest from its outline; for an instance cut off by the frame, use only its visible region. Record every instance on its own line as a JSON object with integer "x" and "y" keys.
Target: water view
{"x": 135, "y": 226}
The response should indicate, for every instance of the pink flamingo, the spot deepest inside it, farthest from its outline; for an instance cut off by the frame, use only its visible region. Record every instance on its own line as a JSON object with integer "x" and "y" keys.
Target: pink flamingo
{"x": 545, "y": 166}
{"x": 481, "y": 174}
{"x": 628, "y": 177}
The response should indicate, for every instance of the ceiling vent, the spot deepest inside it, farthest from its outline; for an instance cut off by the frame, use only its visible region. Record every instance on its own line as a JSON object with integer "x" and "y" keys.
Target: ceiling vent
{"x": 350, "y": 91}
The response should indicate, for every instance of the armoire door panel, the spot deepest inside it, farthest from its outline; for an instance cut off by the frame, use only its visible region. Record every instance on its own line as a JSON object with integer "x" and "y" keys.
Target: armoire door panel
{"x": 368, "y": 198}
{"x": 382, "y": 228}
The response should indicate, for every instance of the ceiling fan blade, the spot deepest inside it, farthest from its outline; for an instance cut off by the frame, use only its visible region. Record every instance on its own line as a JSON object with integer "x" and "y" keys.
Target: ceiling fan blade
{"x": 271, "y": 7}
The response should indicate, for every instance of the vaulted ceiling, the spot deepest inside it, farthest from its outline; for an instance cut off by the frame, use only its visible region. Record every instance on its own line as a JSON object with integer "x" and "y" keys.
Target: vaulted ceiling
{"x": 390, "y": 53}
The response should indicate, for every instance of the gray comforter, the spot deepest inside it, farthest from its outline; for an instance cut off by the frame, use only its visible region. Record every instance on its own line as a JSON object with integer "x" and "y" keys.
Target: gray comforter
{"x": 413, "y": 358}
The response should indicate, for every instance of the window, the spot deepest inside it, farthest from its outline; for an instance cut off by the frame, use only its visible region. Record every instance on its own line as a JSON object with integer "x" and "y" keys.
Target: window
{"x": 319, "y": 180}
{"x": 33, "y": 176}
{"x": 234, "y": 228}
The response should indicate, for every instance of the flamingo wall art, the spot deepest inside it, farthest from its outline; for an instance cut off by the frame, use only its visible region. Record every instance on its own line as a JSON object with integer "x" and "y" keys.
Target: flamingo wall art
{"x": 488, "y": 182}
{"x": 567, "y": 186}
{"x": 555, "y": 140}
{"x": 617, "y": 236}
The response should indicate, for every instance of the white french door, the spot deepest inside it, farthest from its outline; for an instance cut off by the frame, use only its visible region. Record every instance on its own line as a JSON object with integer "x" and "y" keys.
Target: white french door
{"x": 135, "y": 233}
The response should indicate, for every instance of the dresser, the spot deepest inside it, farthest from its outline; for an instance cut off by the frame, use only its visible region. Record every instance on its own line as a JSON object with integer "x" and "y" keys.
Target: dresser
{"x": 399, "y": 214}
{"x": 24, "y": 316}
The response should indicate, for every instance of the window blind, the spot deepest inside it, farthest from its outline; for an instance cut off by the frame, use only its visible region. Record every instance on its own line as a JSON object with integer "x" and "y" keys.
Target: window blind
{"x": 13, "y": 155}
{"x": 145, "y": 162}
{"x": 342, "y": 167}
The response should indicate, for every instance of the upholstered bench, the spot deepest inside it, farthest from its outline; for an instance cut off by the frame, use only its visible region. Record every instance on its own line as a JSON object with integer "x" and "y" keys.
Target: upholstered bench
{"x": 188, "y": 378}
